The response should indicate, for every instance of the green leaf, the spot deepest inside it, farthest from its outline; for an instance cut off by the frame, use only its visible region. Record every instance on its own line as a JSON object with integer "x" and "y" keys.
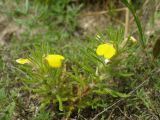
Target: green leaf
{"x": 77, "y": 79}
{"x": 44, "y": 103}
{"x": 156, "y": 48}
{"x": 60, "y": 102}
{"x": 2, "y": 94}
{"x": 9, "y": 111}
{"x": 126, "y": 74}
{"x": 141, "y": 34}
{"x": 111, "y": 92}
{"x": 43, "y": 115}
{"x": 141, "y": 94}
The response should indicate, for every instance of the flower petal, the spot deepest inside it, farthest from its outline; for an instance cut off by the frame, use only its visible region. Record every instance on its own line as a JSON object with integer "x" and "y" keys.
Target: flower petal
{"x": 54, "y": 60}
{"x": 110, "y": 52}
{"x": 22, "y": 61}
{"x": 101, "y": 49}
{"x": 107, "y": 50}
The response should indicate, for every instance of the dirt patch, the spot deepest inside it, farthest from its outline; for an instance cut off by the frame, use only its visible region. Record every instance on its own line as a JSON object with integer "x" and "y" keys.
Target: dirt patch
{"x": 6, "y": 30}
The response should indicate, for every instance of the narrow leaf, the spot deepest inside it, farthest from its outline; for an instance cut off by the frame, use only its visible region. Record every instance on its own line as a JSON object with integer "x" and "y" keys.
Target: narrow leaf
{"x": 60, "y": 102}
{"x": 111, "y": 92}
{"x": 156, "y": 48}
{"x": 131, "y": 8}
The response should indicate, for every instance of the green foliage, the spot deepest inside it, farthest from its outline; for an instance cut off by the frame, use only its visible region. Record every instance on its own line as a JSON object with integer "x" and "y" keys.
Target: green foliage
{"x": 6, "y": 108}
{"x": 43, "y": 116}
{"x": 141, "y": 34}
{"x": 141, "y": 94}
{"x": 84, "y": 82}
{"x": 62, "y": 12}
{"x": 73, "y": 86}
{"x": 9, "y": 111}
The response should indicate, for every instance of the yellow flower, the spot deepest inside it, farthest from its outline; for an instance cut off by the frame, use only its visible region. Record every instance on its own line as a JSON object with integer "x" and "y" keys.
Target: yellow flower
{"x": 23, "y": 61}
{"x": 107, "y": 50}
{"x": 54, "y": 60}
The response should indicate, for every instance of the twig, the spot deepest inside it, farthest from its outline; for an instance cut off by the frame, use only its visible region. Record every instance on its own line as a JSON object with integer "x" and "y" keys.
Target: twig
{"x": 97, "y": 115}
{"x": 126, "y": 23}
{"x": 110, "y": 115}
{"x": 158, "y": 7}
{"x": 102, "y": 12}
{"x": 116, "y": 20}
{"x": 106, "y": 109}
{"x": 123, "y": 113}
{"x": 82, "y": 117}
{"x": 126, "y": 28}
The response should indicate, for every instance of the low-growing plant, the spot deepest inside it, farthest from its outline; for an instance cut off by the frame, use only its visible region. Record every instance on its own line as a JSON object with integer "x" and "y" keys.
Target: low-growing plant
{"x": 62, "y": 12}
{"x": 83, "y": 80}
{"x": 80, "y": 77}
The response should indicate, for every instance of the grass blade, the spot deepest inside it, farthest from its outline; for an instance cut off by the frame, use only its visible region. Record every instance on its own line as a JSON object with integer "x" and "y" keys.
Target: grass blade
{"x": 141, "y": 34}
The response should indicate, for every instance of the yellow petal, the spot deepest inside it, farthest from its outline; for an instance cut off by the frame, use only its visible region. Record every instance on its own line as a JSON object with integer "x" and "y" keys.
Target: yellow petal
{"x": 22, "y": 61}
{"x": 102, "y": 49}
{"x": 110, "y": 52}
{"x": 107, "y": 50}
{"x": 54, "y": 60}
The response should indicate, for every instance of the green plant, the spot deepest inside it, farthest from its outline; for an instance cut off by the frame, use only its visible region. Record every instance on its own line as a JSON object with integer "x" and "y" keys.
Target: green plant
{"x": 7, "y": 105}
{"x": 84, "y": 84}
{"x": 73, "y": 87}
{"x": 141, "y": 34}
{"x": 62, "y": 12}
